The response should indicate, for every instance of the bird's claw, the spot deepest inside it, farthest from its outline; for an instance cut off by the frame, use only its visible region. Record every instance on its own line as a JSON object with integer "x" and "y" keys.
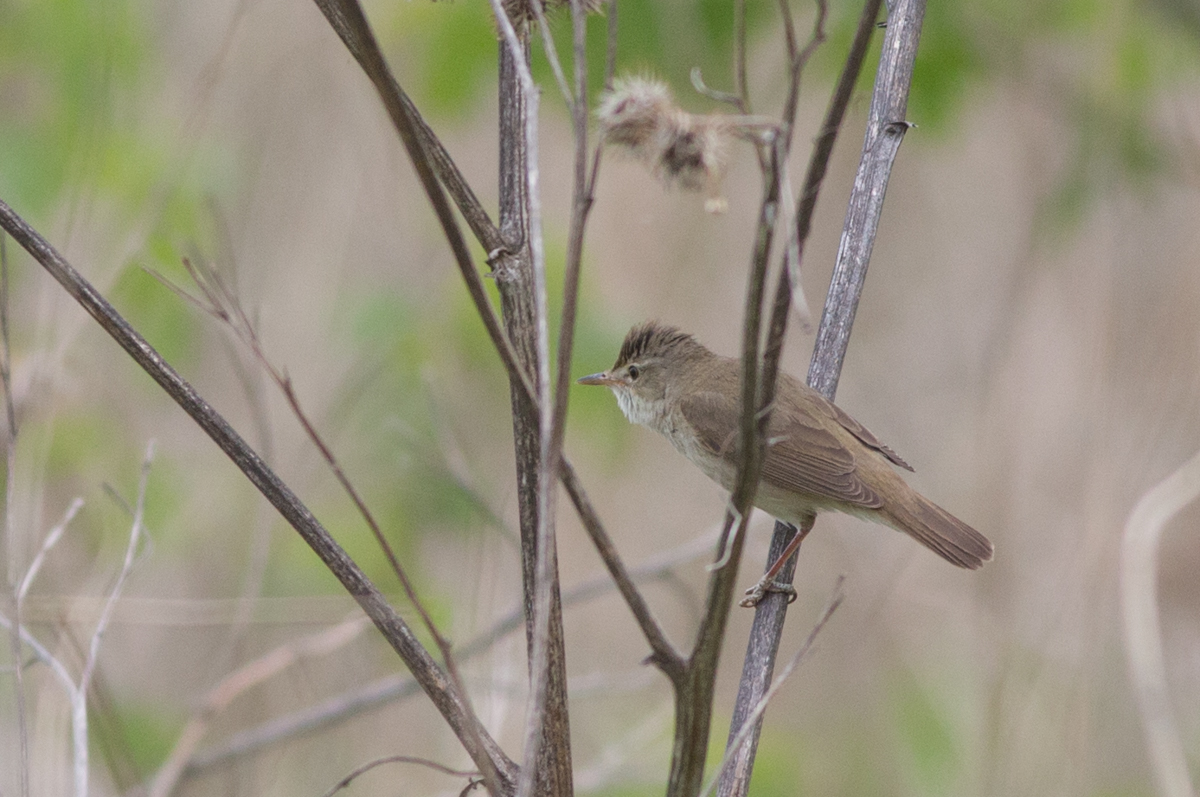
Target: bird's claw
{"x": 755, "y": 594}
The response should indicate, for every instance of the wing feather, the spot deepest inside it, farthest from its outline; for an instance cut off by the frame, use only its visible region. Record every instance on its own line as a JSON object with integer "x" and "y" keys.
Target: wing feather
{"x": 802, "y": 455}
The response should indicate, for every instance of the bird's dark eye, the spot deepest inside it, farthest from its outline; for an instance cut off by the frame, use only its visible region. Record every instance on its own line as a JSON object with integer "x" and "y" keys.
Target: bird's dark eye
{"x": 634, "y": 372}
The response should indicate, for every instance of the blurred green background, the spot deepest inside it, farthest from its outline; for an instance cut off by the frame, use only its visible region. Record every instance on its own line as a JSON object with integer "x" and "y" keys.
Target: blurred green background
{"x": 1029, "y": 339}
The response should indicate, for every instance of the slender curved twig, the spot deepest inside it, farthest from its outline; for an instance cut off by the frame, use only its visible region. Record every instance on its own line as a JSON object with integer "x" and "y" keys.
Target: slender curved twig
{"x": 1143, "y": 631}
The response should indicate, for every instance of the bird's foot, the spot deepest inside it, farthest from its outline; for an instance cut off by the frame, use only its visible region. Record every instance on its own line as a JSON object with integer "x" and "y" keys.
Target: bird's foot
{"x": 755, "y": 594}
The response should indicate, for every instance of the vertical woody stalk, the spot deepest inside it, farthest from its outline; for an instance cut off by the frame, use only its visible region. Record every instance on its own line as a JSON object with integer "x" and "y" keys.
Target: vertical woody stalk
{"x": 513, "y": 271}
{"x": 886, "y": 126}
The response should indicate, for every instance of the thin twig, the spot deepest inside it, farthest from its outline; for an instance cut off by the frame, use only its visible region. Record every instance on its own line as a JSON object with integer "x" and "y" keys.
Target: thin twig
{"x": 51, "y": 540}
{"x": 222, "y": 303}
{"x": 74, "y": 696}
{"x": 6, "y": 345}
{"x": 610, "y": 57}
{"x": 740, "y": 738}
{"x": 398, "y": 759}
{"x": 739, "y": 55}
{"x": 716, "y": 95}
{"x": 539, "y": 11}
{"x": 768, "y": 624}
{"x": 89, "y": 667}
{"x": 393, "y": 688}
{"x": 1143, "y": 629}
{"x": 582, "y": 201}
{"x": 789, "y": 30}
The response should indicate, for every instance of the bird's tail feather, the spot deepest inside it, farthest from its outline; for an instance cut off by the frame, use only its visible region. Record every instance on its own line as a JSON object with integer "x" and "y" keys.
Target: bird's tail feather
{"x": 938, "y": 530}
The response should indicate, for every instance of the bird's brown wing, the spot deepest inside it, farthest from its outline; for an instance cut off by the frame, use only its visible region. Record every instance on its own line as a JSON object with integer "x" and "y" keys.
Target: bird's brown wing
{"x": 802, "y": 455}
{"x": 864, "y": 435}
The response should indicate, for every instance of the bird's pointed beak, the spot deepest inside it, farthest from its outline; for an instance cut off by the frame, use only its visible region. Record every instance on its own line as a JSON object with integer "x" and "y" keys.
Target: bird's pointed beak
{"x": 602, "y": 378}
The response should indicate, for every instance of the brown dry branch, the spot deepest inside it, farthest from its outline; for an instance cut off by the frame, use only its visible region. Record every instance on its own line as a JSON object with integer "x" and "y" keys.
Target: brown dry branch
{"x": 504, "y": 246}
{"x": 509, "y": 266}
{"x": 547, "y": 767}
{"x": 350, "y": 704}
{"x": 512, "y": 260}
{"x": 694, "y": 700}
{"x": 738, "y": 740}
{"x": 767, "y": 628}
{"x": 479, "y": 745}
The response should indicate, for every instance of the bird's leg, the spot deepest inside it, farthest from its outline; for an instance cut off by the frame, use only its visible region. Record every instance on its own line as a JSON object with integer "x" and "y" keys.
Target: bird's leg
{"x": 767, "y": 583}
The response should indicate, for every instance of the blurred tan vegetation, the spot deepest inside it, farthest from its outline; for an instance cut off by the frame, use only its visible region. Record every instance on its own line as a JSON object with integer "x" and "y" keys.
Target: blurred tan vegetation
{"x": 1029, "y": 339}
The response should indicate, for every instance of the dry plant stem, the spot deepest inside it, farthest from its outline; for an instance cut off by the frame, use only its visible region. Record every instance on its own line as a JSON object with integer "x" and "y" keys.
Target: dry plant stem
{"x": 539, "y": 11}
{"x": 511, "y": 260}
{"x": 79, "y": 706}
{"x": 10, "y": 411}
{"x": 545, "y": 728}
{"x": 480, "y": 746}
{"x": 739, "y": 739}
{"x": 767, "y": 628}
{"x": 581, "y": 204}
{"x": 508, "y": 259}
{"x": 77, "y": 693}
{"x": 1143, "y": 630}
{"x": 393, "y": 688}
{"x": 397, "y": 759}
{"x": 694, "y": 695}
{"x": 664, "y": 654}
{"x": 506, "y": 245}
{"x": 521, "y": 282}
{"x": 886, "y": 126}
{"x": 789, "y": 30}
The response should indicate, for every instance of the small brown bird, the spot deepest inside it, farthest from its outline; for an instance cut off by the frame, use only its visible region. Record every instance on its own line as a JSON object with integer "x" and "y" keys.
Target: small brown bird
{"x": 818, "y": 458}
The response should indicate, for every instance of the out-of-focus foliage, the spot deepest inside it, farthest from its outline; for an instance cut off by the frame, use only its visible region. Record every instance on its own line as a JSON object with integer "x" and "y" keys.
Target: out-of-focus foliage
{"x": 933, "y": 759}
{"x": 74, "y": 140}
{"x": 65, "y": 66}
